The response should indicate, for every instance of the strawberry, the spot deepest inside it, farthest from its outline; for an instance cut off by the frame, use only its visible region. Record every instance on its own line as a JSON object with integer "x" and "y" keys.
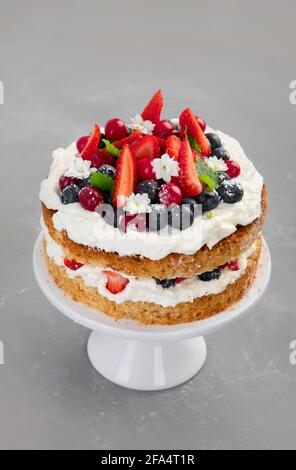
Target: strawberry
{"x": 173, "y": 145}
{"x": 188, "y": 177}
{"x": 147, "y": 147}
{"x": 130, "y": 139}
{"x": 153, "y": 109}
{"x": 191, "y": 128}
{"x": 125, "y": 178}
{"x": 115, "y": 282}
{"x": 162, "y": 145}
{"x": 232, "y": 265}
{"x": 92, "y": 145}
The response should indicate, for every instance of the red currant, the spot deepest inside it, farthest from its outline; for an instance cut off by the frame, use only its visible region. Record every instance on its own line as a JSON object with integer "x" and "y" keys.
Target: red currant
{"x": 90, "y": 197}
{"x": 65, "y": 181}
{"x": 170, "y": 194}
{"x": 115, "y": 129}
{"x": 201, "y": 123}
{"x": 72, "y": 264}
{"x": 163, "y": 129}
{"x": 81, "y": 143}
{"x": 233, "y": 169}
{"x": 145, "y": 170}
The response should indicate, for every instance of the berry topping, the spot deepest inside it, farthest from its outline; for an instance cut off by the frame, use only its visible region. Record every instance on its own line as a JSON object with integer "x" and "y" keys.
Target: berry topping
{"x": 130, "y": 139}
{"x": 125, "y": 178}
{"x": 72, "y": 264}
{"x": 90, "y": 197}
{"x": 165, "y": 283}
{"x": 230, "y": 191}
{"x": 232, "y": 265}
{"x": 147, "y": 147}
{"x": 157, "y": 219}
{"x": 149, "y": 187}
{"x": 209, "y": 200}
{"x": 145, "y": 169}
{"x": 220, "y": 152}
{"x": 153, "y": 109}
{"x": 163, "y": 129}
{"x": 188, "y": 176}
{"x": 115, "y": 129}
{"x": 107, "y": 170}
{"x": 210, "y": 275}
{"x": 222, "y": 176}
{"x": 101, "y": 158}
{"x": 84, "y": 183}
{"x": 70, "y": 194}
{"x": 193, "y": 206}
{"x": 214, "y": 140}
{"x": 65, "y": 181}
{"x": 173, "y": 145}
{"x": 115, "y": 282}
{"x": 81, "y": 143}
{"x": 170, "y": 194}
{"x": 92, "y": 144}
{"x": 181, "y": 217}
{"x": 233, "y": 169}
{"x": 201, "y": 123}
{"x": 190, "y": 128}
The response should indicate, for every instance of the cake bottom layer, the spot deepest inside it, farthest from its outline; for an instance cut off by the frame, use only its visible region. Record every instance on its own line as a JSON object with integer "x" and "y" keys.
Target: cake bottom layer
{"x": 151, "y": 313}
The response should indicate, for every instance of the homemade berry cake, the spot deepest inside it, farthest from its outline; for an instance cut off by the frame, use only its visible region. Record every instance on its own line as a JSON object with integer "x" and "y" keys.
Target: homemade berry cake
{"x": 154, "y": 220}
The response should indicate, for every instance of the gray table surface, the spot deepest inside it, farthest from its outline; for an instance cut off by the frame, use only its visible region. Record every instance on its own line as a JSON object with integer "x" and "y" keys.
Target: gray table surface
{"x": 67, "y": 64}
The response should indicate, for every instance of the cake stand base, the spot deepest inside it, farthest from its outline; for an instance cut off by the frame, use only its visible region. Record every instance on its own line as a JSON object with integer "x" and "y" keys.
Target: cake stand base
{"x": 146, "y": 365}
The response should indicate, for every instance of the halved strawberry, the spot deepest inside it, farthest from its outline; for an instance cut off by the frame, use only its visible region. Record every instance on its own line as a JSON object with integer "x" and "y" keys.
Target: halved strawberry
{"x": 173, "y": 145}
{"x": 115, "y": 282}
{"x": 188, "y": 177}
{"x": 92, "y": 145}
{"x": 189, "y": 126}
{"x": 126, "y": 176}
{"x": 133, "y": 137}
{"x": 147, "y": 147}
{"x": 153, "y": 109}
{"x": 162, "y": 145}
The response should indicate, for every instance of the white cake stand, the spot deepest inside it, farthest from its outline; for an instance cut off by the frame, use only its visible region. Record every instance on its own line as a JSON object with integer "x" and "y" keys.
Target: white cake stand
{"x": 146, "y": 357}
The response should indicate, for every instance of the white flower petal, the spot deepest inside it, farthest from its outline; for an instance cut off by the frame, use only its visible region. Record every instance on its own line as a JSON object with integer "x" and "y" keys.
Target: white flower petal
{"x": 138, "y": 204}
{"x": 165, "y": 167}
{"x": 216, "y": 164}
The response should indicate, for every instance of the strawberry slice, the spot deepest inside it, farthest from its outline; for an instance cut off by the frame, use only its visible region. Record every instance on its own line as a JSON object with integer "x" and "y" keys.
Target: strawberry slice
{"x": 153, "y": 109}
{"x": 147, "y": 147}
{"x": 92, "y": 145}
{"x": 115, "y": 282}
{"x": 173, "y": 145}
{"x": 125, "y": 178}
{"x": 189, "y": 126}
{"x": 130, "y": 139}
{"x": 188, "y": 177}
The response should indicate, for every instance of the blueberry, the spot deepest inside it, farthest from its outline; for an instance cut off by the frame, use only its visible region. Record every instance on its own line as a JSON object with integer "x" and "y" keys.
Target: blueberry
{"x": 70, "y": 194}
{"x": 209, "y": 200}
{"x": 180, "y": 217}
{"x": 84, "y": 183}
{"x": 157, "y": 219}
{"x": 210, "y": 275}
{"x": 149, "y": 187}
{"x": 101, "y": 144}
{"x": 193, "y": 206}
{"x": 223, "y": 176}
{"x": 165, "y": 283}
{"x": 108, "y": 170}
{"x": 220, "y": 152}
{"x": 214, "y": 140}
{"x": 230, "y": 191}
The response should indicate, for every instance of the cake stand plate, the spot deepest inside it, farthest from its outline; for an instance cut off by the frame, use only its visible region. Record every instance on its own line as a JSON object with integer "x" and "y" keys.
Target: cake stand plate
{"x": 146, "y": 357}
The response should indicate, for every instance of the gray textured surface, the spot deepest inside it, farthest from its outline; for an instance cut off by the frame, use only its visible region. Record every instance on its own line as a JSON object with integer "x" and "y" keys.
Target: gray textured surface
{"x": 67, "y": 64}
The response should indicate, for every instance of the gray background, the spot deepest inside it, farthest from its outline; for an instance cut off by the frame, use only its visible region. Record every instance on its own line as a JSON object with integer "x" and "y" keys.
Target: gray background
{"x": 67, "y": 64}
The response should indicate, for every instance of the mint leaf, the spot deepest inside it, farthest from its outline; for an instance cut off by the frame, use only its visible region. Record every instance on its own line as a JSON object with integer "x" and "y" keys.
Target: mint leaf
{"x": 206, "y": 175}
{"x": 111, "y": 149}
{"x": 193, "y": 142}
{"x": 101, "y": 181}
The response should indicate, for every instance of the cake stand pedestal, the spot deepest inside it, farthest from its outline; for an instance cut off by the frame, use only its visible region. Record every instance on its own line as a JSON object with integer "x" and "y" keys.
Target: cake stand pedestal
{"x": 146, "y": 357}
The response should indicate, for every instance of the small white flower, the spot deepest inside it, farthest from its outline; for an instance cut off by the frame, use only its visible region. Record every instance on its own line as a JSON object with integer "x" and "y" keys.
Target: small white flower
{"x": 165, "y": 167}
{"x": 138, "y": 124}
{"x": 137, "y": 204}
{"x": 79, "y": 168}
{"x": 216, "y": 164}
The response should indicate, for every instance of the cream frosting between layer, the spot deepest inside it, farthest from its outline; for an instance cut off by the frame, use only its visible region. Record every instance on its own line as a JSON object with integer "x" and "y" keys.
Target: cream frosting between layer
{"x": 146, "y": 289}
{"x": 88, "y": 228}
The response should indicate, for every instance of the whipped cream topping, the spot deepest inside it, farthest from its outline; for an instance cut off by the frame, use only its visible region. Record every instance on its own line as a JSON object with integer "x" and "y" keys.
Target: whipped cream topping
{"x": 146, "y": 289}
{"x": 88, "y": 228}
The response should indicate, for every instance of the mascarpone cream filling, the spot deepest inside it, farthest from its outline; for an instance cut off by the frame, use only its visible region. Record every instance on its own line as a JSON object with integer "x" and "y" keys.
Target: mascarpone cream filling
{"x": 146, "y": 289}
{"x": 88, "y": 228}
